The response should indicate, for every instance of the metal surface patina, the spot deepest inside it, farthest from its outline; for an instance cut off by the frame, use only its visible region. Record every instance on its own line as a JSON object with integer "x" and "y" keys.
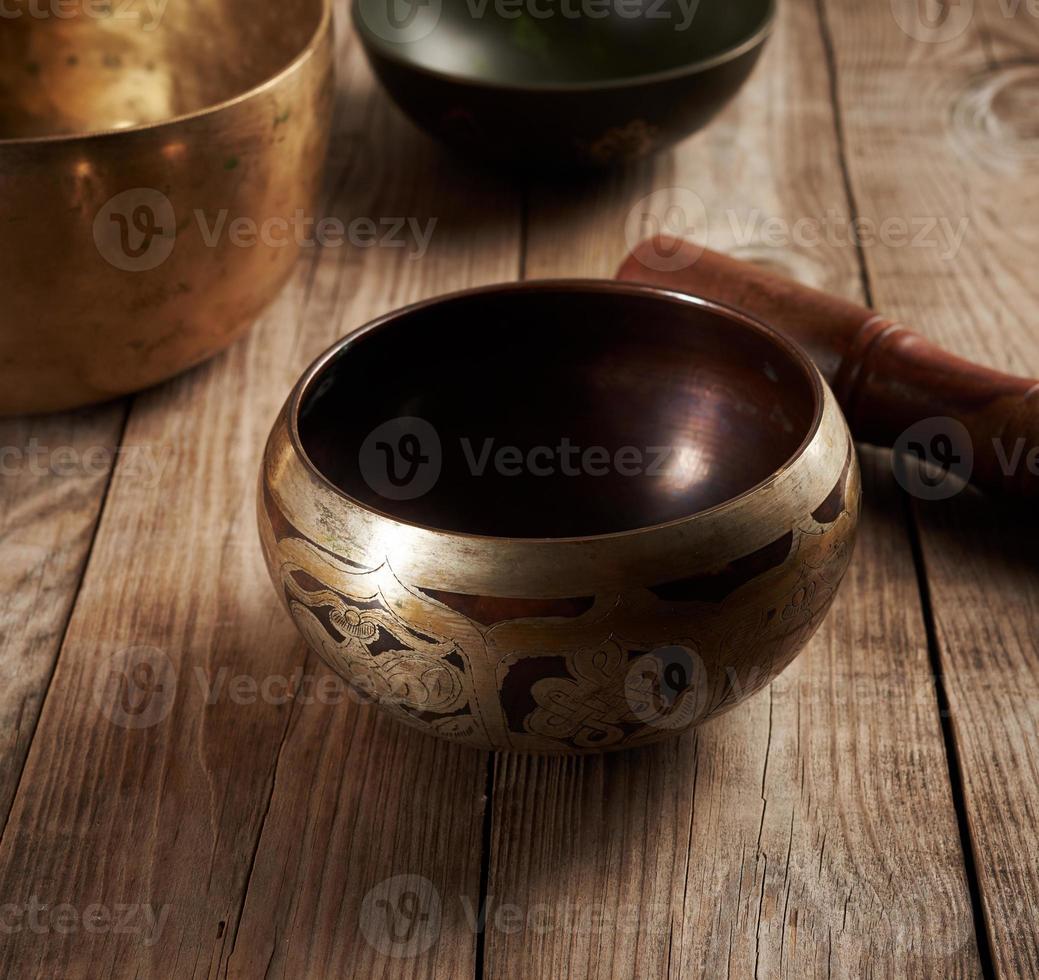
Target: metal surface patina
{"x": 571, "y": 84}
{"x": 150, "y": 162}
{"x": 511, "y": 598}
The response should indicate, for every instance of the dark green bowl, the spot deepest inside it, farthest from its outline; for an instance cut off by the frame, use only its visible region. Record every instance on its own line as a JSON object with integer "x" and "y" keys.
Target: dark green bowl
{"x": 562, "y": 83}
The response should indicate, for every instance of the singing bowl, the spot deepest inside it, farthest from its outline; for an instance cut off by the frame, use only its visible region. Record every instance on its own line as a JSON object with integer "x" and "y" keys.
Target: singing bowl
{"x": 527, "y": 84}
{"x": 132, "y": 138}
{"x": 522, "y": 595}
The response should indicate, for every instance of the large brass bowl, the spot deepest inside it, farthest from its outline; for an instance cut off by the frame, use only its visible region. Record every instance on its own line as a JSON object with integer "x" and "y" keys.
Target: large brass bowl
{"x": 132, "y": 137}
{"x": 658, "y": 525}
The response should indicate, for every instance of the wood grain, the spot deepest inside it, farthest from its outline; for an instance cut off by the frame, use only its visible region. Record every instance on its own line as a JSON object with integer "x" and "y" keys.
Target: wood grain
{"x": 811, "y": 831}
{"x": 358, "y": 801}
{"x": 167, "y": 814}
{"x": 54, "y": 472}
{"x": 808, "y": 833}
{"x": 979, "y": 558}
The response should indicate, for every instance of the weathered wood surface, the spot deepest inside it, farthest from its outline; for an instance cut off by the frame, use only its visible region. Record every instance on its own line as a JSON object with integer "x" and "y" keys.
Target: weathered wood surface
{"x": 965, "y": 148}
{"x": 220, "y": 787}
{"x": 53, "y": 476}
{"x": 357, "y": 799}
{"x": 815, "y": 830}
{"x": 812, "y": 830}
{"x": 800, "y": 835}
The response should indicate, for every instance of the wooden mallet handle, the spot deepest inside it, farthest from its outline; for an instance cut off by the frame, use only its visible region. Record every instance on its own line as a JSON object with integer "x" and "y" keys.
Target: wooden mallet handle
{"x": 885, "y": 377}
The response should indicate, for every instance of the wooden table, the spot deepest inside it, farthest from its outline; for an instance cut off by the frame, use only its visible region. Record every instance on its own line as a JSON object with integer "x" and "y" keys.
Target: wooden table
{"x": 876, "y": 812}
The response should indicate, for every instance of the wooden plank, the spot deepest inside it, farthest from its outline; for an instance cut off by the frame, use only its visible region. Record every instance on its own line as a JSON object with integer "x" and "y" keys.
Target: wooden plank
{"x": 809, "y": 832}
{"x": 210, "y": 786}
{"x": 964, "y": 146}
{"x": 812, "y": 829}
{"x": 54, "y": 472}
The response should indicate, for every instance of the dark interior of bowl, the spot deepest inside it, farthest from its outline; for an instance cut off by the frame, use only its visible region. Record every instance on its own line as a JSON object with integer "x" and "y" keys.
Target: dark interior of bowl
{"x": 559, "y": 411}
{"x": 560, "y": 42}
{"x": 144, "y": 61}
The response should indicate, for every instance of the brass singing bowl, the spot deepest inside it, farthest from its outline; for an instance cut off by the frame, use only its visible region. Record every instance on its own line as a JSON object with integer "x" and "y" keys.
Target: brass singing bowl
{"x": 132, "y": 138}
{"x": 659, "y": 522}
{"x": 556, "y": 84}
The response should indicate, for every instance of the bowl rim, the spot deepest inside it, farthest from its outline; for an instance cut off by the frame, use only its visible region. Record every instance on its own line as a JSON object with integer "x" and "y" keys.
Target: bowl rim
{"x": 372, "y": 42}
{"x": 316, "y": 39}
{"x": 798, "y": 355}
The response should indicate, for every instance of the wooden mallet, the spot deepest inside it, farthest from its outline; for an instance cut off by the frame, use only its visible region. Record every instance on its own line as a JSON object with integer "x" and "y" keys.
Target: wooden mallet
{"x": 887, "y": 378}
